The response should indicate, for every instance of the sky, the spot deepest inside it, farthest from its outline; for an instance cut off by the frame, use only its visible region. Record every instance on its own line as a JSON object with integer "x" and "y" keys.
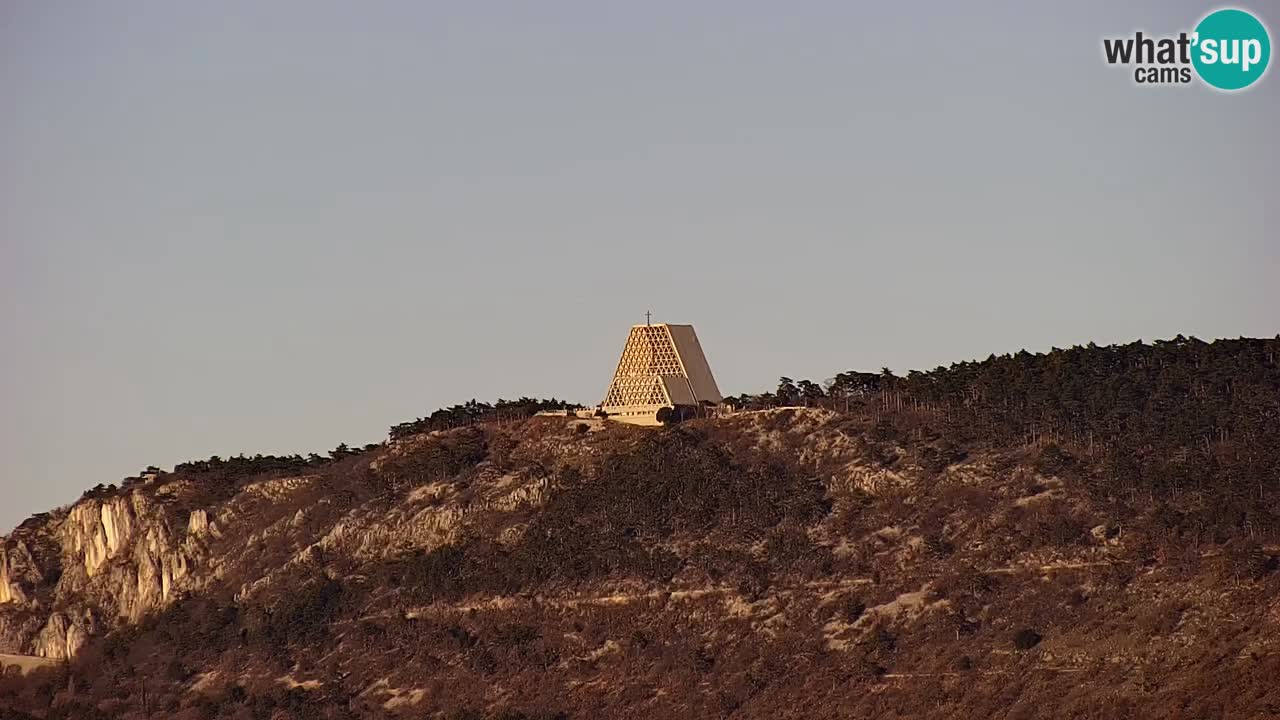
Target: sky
{"x": 276, "y": 227}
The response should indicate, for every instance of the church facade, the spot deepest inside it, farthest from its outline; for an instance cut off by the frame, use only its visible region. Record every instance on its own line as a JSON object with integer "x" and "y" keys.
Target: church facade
{"x": 662, "y": 370}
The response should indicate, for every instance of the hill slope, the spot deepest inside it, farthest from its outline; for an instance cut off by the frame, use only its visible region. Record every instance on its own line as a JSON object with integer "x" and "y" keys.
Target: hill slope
{"x": 908, "y": 556}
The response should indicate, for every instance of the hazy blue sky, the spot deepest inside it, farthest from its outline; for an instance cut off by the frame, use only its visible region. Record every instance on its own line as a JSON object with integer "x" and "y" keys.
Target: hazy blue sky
{"x": 273, "y": 227}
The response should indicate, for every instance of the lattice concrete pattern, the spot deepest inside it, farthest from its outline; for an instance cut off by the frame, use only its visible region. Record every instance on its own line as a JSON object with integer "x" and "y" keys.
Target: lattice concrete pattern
{"x": 661, "y": 366}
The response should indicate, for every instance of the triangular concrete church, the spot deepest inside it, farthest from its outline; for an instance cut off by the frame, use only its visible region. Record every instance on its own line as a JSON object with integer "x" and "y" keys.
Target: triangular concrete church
{"x": 662, "y": 366}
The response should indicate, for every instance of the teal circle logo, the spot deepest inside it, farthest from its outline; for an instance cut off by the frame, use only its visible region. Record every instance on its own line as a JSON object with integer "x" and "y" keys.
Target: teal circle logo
{"x": 1232, "y": 49}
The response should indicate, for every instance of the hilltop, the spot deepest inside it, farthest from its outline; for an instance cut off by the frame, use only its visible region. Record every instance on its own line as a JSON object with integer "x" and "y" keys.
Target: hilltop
{"x": 1090, "y": 532}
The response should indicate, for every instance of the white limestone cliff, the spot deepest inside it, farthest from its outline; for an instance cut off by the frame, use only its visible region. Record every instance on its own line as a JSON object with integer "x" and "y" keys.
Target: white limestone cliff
{"x": 114, "y": 557}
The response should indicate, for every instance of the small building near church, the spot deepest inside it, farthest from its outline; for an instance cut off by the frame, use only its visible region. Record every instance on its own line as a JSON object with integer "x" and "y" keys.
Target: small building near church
{"x": 662, "y": 373}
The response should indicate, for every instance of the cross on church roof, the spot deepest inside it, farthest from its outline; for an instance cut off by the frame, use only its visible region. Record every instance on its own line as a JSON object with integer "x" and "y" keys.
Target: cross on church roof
{"x": 660, "y": 366}
{"x": 646, "y": 317}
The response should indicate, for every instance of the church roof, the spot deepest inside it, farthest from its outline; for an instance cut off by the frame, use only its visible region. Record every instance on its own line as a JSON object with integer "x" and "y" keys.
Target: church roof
{"x": 661, "y": 364}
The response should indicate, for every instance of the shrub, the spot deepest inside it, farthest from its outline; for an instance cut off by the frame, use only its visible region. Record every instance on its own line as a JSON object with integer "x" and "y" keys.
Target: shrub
{"x": 1026, "y": 638}
{"x": 853, "y": 608}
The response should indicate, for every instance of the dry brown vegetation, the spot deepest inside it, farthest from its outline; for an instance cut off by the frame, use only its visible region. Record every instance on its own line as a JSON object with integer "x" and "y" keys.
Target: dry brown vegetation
{"x": 875, "y": 562}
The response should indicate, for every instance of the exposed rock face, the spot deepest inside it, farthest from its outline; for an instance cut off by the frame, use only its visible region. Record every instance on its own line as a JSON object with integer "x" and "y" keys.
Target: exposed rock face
{"x": 62, "y": 636}
{"x": 117, "y": 555}
{"x": 10, "y": 591}
{"x": 110, "y": 558}
{"x": 746, "y": 566}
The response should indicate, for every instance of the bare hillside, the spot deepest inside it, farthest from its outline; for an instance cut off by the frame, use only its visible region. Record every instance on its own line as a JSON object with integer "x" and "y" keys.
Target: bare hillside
{"x": 891, "y": 559}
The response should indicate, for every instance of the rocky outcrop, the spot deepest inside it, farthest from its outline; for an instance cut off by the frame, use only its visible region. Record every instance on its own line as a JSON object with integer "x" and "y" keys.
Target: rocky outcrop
{"x": 120, "y": 554}
{"x": 112, "y": 558}
{"x": 10, "y": 590}
{"x": 62, "y": 635}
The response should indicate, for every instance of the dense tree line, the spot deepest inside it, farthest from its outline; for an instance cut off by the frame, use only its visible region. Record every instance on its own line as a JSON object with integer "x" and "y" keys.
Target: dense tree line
{"x": 245, "y": 466}
{"x": 1166, "y": 418}
{"x": 472, "y": 412}
{"x": 612, "y": 518}
{"x": 222, "y": 475}
{"x": 709, "y": 567}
